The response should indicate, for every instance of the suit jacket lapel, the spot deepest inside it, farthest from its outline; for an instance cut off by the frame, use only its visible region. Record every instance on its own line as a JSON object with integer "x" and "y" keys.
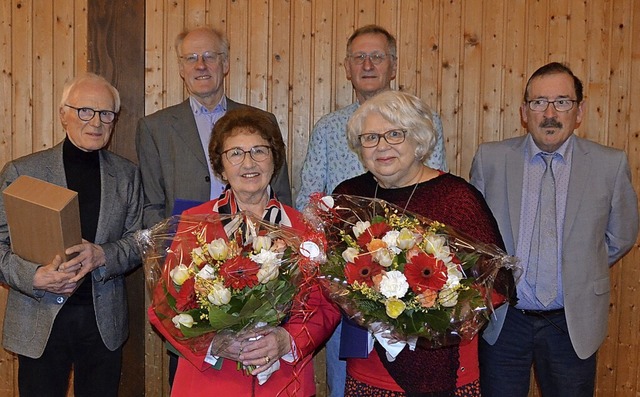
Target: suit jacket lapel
{"x": 578, "y": 181}
{"x": 108, "y": 186}
{"x": 55, "y": 167}
{"x": 184, "y": 124}
{"x": 514, "y": 159}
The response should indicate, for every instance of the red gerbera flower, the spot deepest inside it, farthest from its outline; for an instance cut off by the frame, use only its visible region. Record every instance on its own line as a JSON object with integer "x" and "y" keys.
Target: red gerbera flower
{"x": 425, "y": 272}
{"x": 186, "y": 299}
{"x": 362, "y": 270}
{"x": 240, "y": 272}
{"x": 377, "y": 230}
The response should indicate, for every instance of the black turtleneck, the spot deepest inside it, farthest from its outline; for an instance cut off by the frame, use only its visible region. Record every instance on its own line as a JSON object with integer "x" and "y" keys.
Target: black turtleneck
{"x": 82, "y": 170}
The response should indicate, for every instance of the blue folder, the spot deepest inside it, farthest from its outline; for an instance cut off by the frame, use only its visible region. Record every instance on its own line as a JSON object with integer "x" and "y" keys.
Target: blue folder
{"x": 354, "y": 340}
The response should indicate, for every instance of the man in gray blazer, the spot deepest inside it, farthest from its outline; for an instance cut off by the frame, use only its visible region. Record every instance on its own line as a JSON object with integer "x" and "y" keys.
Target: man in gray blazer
{"x": 61, "y": 315}
{"x": 172, "y": 144}
{"x": 560, "y": 319}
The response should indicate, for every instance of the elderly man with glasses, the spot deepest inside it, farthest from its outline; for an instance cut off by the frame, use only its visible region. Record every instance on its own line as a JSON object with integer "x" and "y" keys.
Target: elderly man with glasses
{"x": 566, "y": 207}
{"x": 370, "y": 64}
{"x": 73, "y": 314}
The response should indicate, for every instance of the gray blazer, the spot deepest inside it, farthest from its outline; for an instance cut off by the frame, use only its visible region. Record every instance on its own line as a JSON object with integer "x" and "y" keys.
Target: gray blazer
{"x": 30, "y": 313}
{"x": 173, "y": 164}
{"x": 601, "y": 225}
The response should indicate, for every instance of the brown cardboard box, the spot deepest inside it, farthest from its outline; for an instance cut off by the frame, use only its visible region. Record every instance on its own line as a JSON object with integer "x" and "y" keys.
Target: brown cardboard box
{"x": 43, "y": 218}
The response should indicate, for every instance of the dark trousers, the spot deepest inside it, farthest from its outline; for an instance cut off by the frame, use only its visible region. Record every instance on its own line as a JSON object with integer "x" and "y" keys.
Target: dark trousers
{"x": 538, "y": 340}
{"x": 74, "y": 342}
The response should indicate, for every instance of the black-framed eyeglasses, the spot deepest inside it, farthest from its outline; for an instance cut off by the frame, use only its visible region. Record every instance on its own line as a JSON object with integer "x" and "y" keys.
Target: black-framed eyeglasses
{"x": 376, "y": 58}
{"x": 258, "y": 153}
{"x": 208, "y": 57}
{"x": 561, "y": 105}
{"x": 393, "y": 137}
{"x": 87, "y": 114}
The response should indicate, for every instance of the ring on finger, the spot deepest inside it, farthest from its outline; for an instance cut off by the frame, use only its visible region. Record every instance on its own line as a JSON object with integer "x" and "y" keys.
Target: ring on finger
{"x": 267, "y": 359}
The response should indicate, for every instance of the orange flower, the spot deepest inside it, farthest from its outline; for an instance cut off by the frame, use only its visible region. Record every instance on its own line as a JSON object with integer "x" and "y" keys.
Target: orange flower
{"x": 428, "y": 298}
{"x": 375, "y": 244}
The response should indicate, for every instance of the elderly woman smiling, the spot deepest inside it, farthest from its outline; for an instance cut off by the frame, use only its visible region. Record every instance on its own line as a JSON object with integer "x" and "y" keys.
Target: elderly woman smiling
{"x": 393, "y": 134}
{"x": 245, "y": 149}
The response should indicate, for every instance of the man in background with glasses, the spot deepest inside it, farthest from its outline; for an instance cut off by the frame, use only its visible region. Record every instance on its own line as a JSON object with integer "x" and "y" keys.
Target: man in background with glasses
{"x": 370, "y": 64}
{"x": 172, "y": 144}
{"x": 566, "y": 207}
{"x": 73, "y": 314}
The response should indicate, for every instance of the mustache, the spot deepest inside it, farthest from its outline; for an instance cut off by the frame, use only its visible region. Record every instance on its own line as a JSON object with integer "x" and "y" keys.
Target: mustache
{"x": 550, "y": 123}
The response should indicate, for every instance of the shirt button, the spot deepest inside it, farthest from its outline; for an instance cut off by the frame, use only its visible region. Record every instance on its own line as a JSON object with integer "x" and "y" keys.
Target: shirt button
{"x": 60, "y": 299}
{"x": 462, "y": 369}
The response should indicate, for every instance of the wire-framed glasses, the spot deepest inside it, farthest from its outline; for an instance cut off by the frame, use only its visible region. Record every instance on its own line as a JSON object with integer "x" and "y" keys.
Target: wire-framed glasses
{"x": 393, "y": 137}
{"x": 376, "y": 58}
{"x": 86, "y": 114}
{"x": 208, "y": 57}
{"x": 258, "y": 153}
{"x": 561, "y": 105}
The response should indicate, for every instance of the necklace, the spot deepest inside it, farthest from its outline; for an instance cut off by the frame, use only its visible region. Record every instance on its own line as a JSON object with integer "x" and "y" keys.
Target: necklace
{"x": 375, "y": 193}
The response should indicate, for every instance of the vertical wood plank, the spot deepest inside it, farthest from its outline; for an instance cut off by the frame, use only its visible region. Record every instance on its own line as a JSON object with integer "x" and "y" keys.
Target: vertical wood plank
{"x": 238, "y": 59}
{"x": 471, "y": 79}
{"x": 428, "y": 84}
{"x": 515, "y": 70}
{"x": 280, "y": 61}
{"x": 450, "y": 32}
{"x": 345, "y": 24}
{"x": 408, "y": 48}
{"x": 558, "y": 36}
{"x": 44, "y": 103}
{"x": 21, "y": 66}
{"x": 259, "y": 54}
{"x": 6, "y": 101}
{"x": 64, "y": 51}
{"x": 301, "y": 81}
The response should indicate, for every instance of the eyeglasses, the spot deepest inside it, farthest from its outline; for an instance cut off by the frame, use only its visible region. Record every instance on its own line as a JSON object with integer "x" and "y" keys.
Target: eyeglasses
{"x": 561, "y": 105}
{"x": 208, "y": 57}
{"x": 87, "y": 114}
{"x": 393, "y": 137}
{"x": 258, "y": 153}
{"x": 376, "y": 58}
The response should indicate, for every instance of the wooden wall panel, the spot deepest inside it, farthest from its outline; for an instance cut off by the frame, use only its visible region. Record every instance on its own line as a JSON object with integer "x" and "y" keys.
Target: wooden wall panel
{"x": 467, "y": 59}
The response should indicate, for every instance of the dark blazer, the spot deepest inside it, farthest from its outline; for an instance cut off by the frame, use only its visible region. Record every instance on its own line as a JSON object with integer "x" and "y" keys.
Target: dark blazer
{"x": 173, "y": 163}
{"x": 600, "y": 226}
{"x": 30, "y": 313}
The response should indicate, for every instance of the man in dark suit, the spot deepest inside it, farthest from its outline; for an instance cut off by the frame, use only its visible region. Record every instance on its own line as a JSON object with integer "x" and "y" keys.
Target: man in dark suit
{"x": 172, "y": 144}
{"x": 50, "y": 330}
{"x": 588, "y": 220}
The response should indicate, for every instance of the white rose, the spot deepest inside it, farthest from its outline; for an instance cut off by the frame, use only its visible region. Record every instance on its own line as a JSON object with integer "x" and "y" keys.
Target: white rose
{"x": 383, "y": 256}
{"x": 197, "y": 256}
{"x": 391, "y": 239}
{"x": 350, "y": 254}
{"x": 394, "y": 284}
{"x": 406, "y": 239}
{"x": 219, "y": 295}
{"x": 437, "y": 246}
{"x": 454, "y": 275}
{"x": 207, "y": 272}
{"x": 219, "y": 249}
{"x": 360, "y": 227}
{"x": 183, "y": 319}
{"x": 261, "y": 243}
{"x": 266, "y": 258}
{"x": 179, "y": 274}
{"x": 268, "y": 272}
{"x": 448, "y": 297}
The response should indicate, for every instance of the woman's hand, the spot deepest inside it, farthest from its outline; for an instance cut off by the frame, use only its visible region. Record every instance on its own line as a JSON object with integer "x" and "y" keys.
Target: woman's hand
{"x": 263, "y": 347}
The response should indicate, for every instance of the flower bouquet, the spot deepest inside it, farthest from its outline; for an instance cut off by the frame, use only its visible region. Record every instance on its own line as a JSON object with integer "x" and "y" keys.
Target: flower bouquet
{"x": 214, "y": 276}
{"x": 404, "y": 276}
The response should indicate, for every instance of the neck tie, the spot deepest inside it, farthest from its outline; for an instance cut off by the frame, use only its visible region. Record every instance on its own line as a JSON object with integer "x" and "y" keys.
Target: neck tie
{"x": 543, "y": 257}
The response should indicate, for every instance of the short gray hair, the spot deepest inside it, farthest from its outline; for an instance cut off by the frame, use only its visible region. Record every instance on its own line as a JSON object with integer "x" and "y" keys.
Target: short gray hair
{"x": 68, "y": 87}
{"x": 222, "y": 42}
{"x": 402, "y": 109}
